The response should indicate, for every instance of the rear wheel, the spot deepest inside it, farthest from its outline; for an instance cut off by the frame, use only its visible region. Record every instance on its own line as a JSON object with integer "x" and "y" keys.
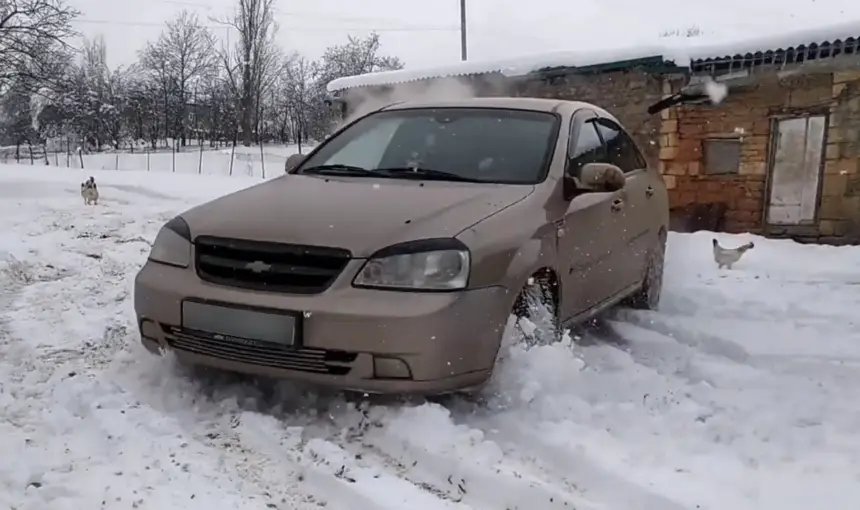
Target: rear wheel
{"x": 648, "y": 296}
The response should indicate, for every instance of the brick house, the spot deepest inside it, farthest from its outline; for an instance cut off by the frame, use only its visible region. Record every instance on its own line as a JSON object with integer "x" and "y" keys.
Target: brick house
{"x": 781, "y": 153}
{"x": 779, "y": 156}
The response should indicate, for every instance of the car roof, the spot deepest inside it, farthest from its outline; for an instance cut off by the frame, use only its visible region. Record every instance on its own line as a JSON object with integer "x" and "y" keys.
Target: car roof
{"x": 518, "y": 103}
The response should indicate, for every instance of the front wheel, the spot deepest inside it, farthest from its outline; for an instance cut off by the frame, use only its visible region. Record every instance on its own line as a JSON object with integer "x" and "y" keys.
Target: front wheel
{"x": 536, "y": 311}
{"x": 533, "y": 321}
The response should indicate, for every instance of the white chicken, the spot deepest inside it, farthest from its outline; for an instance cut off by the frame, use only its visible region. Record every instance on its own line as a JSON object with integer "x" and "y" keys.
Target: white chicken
{"x": 726, "y": 257}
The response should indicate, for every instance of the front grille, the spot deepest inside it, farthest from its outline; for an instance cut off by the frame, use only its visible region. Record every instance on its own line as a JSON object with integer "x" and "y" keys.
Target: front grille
{"x": 265, "y": 354}
{"x": 274, "y": 267}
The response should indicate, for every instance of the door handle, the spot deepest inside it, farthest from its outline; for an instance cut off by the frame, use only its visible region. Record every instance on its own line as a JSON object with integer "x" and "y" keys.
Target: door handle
{"x": 617, "y": 204}
{"x": 649, "y": 191}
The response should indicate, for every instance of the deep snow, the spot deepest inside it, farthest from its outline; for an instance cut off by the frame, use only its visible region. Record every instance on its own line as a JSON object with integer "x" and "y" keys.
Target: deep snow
{"x": 740, "y": 393}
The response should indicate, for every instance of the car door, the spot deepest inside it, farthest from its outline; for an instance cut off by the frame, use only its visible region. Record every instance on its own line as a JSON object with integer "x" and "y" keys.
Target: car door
{"x": 585, "y": 253}
{"x": 633, "y": 223}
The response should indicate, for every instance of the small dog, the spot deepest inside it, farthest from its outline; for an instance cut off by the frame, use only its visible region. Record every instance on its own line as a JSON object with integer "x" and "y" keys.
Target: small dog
{"x": 90, "y": 192}
{"x": 726, "y": 257}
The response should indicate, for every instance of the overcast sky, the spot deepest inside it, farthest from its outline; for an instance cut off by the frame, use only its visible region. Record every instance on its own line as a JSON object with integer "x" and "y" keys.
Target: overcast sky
{"x": 425, "y": 33}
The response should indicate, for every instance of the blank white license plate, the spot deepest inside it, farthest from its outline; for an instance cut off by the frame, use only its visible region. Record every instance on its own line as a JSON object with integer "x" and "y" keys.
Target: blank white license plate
{"x": 279, "y": 328}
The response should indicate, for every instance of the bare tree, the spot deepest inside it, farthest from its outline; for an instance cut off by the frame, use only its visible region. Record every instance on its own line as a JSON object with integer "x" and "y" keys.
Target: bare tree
{"x": 249, "y": 64}
{"x": 271, "y": 66}
{"x": 141, "y": 112}
{"x": 93, "y": 100}
{"x": 358, "y": 56}
{"x": 33, "y": 45}
{"x": 252, "y": 86}
{"x": 154, "y": 65}
{"x": 300, "y": 97}
{"x": 179, "y": 62}
{"x": 15, "y": 122}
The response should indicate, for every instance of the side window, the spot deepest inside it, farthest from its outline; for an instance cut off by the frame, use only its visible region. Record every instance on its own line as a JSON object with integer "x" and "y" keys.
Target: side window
{"x": 620, "y": 148}
{"x": 588, "y": 148}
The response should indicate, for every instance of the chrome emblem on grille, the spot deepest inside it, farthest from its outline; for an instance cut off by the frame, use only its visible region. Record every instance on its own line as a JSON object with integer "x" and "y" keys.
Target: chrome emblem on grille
{"x": 258, "y": 266}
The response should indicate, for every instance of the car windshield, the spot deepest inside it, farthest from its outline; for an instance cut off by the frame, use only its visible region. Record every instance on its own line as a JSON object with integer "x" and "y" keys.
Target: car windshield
{"x": 457, "y": 144}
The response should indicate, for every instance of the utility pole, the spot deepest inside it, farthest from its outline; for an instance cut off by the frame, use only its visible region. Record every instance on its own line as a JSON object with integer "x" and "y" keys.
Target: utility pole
{"x": 463, "y": 52}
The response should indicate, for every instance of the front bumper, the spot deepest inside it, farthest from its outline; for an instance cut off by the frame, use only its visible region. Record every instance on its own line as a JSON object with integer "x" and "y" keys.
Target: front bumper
{"x": 353, "y": 339}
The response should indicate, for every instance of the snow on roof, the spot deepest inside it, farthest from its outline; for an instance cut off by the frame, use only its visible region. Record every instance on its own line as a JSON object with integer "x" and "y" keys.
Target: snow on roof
{"x": 716, "y": 49}
{"x": 682, "y": 54}
{"x": 513, "y": 66}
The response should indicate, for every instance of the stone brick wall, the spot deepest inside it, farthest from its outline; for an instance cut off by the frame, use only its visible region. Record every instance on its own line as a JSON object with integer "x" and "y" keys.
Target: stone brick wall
{"x": 839, "y": 213}
{"x": 747, "y": 116}
{"x": 743, "y": 116}
{"x": 625, "y": 94}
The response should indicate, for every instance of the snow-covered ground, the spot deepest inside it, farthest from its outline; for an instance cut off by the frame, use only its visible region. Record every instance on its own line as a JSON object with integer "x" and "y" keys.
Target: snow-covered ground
{"x": 245, "y": 161}
{"x": 741, "y": 394}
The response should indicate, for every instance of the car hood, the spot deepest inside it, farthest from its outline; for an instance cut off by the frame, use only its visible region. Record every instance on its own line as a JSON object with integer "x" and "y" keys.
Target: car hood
{"x": 358, "y": 214}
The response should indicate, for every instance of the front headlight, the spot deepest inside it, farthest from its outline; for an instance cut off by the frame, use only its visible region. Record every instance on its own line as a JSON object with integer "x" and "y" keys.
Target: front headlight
{"x": 432, "y": 265}
{"x": 172, "y": 245}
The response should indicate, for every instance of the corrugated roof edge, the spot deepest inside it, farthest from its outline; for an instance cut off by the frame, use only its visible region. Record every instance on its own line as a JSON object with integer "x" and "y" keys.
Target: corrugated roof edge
{"x": 682, "y": 55}
{"x": 793, "y": 39}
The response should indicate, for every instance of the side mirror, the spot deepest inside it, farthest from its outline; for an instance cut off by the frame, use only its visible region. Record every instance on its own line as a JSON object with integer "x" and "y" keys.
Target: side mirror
{"x": 293, "y": 162}
{"x": 600, "y": 178}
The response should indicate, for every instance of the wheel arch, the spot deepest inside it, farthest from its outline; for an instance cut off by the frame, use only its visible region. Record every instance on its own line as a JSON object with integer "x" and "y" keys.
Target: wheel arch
{"x": 546, "y": 278}
{"x": 534, "y": 259}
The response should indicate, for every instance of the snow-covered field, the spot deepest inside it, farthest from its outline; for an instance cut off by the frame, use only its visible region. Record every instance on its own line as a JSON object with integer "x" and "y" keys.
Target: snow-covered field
{"x": 741, "y": 394}
{"x": 246, "y": 161}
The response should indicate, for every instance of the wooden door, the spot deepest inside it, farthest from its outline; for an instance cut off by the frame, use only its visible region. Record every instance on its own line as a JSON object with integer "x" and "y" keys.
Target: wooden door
{"x": 796, "y": 171}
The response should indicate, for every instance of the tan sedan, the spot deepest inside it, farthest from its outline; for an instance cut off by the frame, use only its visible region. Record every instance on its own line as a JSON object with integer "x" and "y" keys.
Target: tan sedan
{"x": 389, "y": 259}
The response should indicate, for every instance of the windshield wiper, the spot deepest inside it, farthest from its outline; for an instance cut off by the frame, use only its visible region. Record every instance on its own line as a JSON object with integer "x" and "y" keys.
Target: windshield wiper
{"x": 337, "y": 170}
{"x": 402, "y": 172}
{"x": 425, "y": 173}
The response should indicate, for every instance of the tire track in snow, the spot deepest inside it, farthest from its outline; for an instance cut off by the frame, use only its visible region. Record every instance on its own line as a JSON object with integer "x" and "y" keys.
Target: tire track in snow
{"x": 500, "y": 483}
{"x": 95, "y": 295}
{"x": 351, "y": 454}
{"x": 549, "y": 444}
{"x": 425, "y": 445}
{"x": 694, "y": 338}
{"x": 596, "y": 482}
{"x": 486, "y": 461}
{"x": 300, "y": 444}
{"x": 37, "y": 395}
{"x": 350, "y": 479}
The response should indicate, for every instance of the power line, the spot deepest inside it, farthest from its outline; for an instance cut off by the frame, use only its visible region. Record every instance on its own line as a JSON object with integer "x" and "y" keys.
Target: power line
{"x": 307, "y": 14}
{"x": 298, "y": 28}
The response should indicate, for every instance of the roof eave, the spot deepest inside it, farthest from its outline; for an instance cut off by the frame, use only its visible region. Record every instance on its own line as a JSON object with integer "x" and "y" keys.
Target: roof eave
{"x": 653, "y": 65}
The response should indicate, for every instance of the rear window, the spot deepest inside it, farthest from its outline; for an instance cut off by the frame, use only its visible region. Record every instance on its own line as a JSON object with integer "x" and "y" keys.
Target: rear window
{"x": 485, "y": 144}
